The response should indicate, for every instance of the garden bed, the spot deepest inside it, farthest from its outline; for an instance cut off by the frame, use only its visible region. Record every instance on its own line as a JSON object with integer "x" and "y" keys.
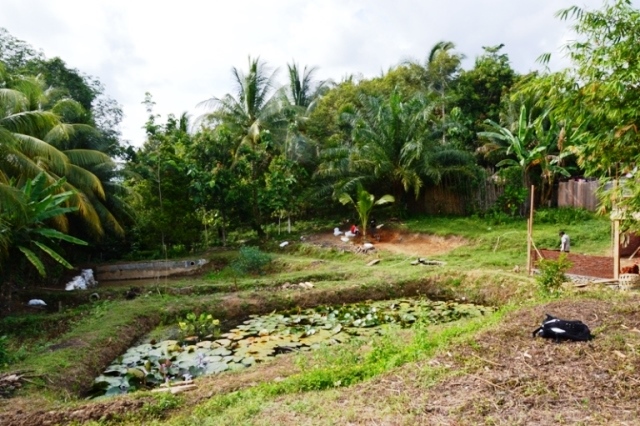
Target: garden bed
{"x": 583, "y": 265}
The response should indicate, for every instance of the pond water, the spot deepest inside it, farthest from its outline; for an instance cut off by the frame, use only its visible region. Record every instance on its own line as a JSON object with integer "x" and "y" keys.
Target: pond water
{"x": 262, "y": 337}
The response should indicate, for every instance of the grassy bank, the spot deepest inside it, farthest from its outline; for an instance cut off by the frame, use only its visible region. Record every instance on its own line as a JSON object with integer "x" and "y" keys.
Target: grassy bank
{"x": 63, "y": 359}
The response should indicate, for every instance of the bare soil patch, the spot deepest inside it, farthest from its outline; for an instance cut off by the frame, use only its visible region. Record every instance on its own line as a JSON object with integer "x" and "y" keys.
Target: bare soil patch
{"x": 399, "y": 242}
{"x": 589, "y": 266}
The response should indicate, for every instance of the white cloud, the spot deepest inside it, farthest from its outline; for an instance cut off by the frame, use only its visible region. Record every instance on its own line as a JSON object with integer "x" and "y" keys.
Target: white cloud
{"x": 182, "y": 52}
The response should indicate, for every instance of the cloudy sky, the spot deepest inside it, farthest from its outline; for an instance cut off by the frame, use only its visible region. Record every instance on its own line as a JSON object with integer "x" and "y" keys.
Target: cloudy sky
{"x": 182, "y": 51}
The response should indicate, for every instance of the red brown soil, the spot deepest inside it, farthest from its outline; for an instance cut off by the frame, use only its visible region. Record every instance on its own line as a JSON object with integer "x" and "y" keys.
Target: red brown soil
{"x": 410, "y": 244}
{"x": 590, "y": 266}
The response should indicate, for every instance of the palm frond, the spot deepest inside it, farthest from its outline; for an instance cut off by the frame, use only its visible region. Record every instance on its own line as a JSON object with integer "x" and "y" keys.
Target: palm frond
{"x": 88, "y": 158}
{"x": 35, "y": 148}
{"x": 34, "y": 260}
{"x": 29, "y": 122}
{"x": 85, "y": 181}
{"x": 54, "y": 255}
{"x": 53, "y": 234}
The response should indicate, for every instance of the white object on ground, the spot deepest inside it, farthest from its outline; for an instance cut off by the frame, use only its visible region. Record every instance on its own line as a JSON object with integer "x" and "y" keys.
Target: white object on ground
{"x": 82, "y": 282}
{"x": 36, "y": 302}
{"x": 337, "y": 231}
{"x": 367, "y": 246}
{"x": 344, "y": 239}
{"x": 349, "y": 234}
{"x": 284, "y": 243}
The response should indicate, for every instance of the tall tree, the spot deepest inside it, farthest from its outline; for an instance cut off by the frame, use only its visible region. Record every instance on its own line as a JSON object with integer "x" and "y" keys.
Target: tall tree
{"x": 479, "y": 93}
{"x": 601, "y": 95}
{"x": 439, "y": 70}
{"x": 166, "y": 219}
{"x": 42, "y": 139}
{"x": 298, "y": 99}
{"x": 253, "y": 117}
{"x": 391, "y": 140}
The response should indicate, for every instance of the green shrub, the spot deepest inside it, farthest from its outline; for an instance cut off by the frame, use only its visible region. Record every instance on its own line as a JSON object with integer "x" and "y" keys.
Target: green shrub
{"x": 563, "y": 216}
{"x": 251, "y": 260}
{"x": 552, "y": 274}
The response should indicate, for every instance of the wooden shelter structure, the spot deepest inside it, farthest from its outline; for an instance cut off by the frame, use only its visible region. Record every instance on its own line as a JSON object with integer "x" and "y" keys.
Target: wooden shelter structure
{"x": 616, "y": 254}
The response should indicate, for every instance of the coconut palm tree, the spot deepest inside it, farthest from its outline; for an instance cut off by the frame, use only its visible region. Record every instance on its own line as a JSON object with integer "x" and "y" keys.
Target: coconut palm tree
{"x": 254, "y": 118}
{"x": 364, "y": 203}
{"x": 252, "y": 110}
{"x": 37, "y": 138}
{"x": 438, "y": 71}
{"x": 298, "y": 99}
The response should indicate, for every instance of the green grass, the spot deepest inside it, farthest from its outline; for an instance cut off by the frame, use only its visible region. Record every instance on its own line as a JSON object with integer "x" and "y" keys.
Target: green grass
{"x": 491, "y": 252}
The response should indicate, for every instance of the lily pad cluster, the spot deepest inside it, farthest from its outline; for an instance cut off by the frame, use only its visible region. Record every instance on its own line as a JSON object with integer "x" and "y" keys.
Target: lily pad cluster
{"x": 261, "y": 337}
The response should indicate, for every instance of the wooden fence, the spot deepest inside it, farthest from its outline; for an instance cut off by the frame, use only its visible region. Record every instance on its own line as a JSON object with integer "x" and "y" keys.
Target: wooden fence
{"x": 445, "y": 200}
{"x": 578, "y": 193}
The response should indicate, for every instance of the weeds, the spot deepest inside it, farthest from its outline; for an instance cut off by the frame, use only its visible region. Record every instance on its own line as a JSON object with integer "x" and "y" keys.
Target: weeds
{"x": 552, "y": 274}
{"x": 251, "y": 260}
{"x": 201, "y": 326}
{"x": 163, "y": 402}
{"x": 5, "y": 356}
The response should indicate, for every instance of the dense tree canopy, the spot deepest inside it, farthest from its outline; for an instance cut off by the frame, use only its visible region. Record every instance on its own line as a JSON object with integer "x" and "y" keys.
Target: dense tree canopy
{"x": 268, "y": 151}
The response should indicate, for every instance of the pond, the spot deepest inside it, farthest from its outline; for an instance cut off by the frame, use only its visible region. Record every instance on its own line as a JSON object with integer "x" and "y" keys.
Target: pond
{"x": 262, "y": 337}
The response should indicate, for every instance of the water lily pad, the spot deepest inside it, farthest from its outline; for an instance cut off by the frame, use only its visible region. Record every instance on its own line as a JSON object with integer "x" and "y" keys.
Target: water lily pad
{"x": 137, "y": 373}
{"x": 234, "y": 366}
{"x": 261, "y": 337}
{"x": 221, "y": 352}
{"x": 216, "y": 367}
{"x": 249, "y": 361}
{"x": 227, "y": 342}
{"x": 115, "y": 370}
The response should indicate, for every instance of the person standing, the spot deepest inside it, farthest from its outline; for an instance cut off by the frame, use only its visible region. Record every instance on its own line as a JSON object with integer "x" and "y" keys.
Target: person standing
{"x": 565, "y": 242}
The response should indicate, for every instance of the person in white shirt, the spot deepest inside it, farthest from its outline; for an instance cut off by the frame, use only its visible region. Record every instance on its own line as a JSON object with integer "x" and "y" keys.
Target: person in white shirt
{"x": 565, "y": 242}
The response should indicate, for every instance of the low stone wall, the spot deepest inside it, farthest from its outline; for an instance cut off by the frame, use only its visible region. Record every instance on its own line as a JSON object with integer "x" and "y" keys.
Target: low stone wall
{"x": 141, "y": 270}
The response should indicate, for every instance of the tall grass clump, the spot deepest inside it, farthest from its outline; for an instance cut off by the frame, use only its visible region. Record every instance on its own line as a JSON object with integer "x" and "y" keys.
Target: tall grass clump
{"x": 251, "y": 260}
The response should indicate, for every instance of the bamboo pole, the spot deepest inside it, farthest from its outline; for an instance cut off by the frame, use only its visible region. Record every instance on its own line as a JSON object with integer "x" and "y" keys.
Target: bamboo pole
{"x": 529, "y": 246}
{"x": 530, "y": 233}
{"x": 616, "y": 249}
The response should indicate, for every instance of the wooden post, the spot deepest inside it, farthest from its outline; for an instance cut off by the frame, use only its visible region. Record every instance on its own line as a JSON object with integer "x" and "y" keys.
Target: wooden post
{"x": 530, "y": 233}
{"x": 616, "y": 249}
{"x": 529, "y": 262}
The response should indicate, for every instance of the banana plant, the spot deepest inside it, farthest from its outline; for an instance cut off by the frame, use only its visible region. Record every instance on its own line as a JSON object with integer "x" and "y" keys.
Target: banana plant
{"x": 31, "y": 231}
{"x": 517, "y": 144}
